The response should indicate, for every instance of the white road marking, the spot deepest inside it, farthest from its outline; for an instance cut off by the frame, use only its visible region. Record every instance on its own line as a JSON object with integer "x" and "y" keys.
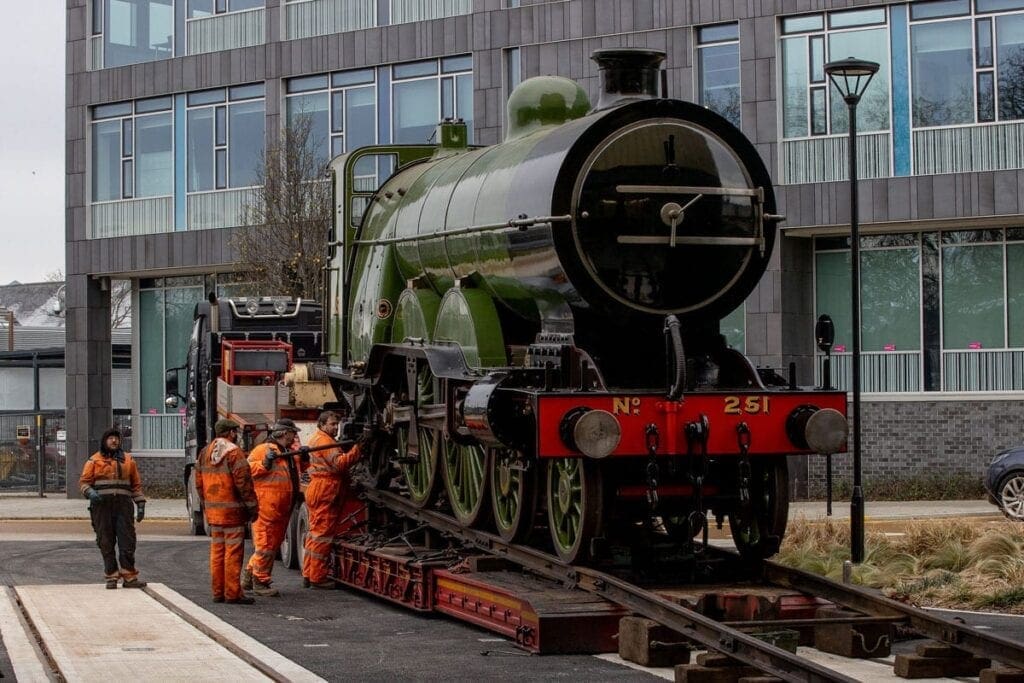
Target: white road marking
{"x": 492, "y": 640}
{"x": 666, "y": 673}
{"x": 967, "y": 611}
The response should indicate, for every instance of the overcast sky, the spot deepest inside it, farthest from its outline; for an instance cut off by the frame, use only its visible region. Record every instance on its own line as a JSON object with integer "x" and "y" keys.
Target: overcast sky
{"x": 31, "y": 140}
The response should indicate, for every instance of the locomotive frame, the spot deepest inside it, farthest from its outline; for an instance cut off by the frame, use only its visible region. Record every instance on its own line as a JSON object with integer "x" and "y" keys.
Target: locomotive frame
{"x": 560, "y": 419}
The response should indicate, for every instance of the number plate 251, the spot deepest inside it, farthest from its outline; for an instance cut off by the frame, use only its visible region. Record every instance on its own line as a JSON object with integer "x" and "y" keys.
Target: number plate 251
{"x": 747, "y": 405}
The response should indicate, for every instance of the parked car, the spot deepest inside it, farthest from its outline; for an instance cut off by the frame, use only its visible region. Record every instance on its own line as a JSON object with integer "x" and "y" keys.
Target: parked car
{"x": 1004, "y": 482}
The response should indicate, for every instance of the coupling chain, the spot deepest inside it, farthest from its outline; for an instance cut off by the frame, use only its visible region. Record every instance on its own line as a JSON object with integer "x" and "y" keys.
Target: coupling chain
{"x": 652, "y": 439}
{"x": 743, "y": 441}
{"x": 697, "y": 434}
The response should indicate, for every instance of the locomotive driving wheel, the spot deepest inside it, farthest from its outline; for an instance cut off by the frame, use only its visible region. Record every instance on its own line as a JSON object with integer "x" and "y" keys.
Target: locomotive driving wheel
{"x": 757, "y": 529}
{"x": 513, "y": 494}
{"x": 420, "y": 471}
{"x": 465, "y": 480}
{"x": 574, "y": 500}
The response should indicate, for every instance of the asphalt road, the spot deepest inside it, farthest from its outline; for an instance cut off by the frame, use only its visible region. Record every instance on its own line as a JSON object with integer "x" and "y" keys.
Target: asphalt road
{"x": 338, "y": 634}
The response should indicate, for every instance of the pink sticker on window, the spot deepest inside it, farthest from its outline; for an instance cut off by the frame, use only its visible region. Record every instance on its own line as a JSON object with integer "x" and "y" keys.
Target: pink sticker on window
{"x": 974, "y": 345}
{"x": 839, "y": 348}
{"x": 889, "y": 347}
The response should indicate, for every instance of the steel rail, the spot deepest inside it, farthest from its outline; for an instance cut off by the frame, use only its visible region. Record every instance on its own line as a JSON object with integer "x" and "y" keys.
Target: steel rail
{"x": 933, "y": 626}
{"x": 695, "y": 626}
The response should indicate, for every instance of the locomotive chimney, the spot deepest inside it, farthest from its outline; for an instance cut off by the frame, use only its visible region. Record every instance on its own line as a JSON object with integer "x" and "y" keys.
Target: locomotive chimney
{"x": 627, "y": 73}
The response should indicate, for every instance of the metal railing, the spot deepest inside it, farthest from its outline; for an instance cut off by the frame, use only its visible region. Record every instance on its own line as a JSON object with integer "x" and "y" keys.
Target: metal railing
{"x": 824, "y": 159}
{"x": 960, "y": 149}
{"x": 225, "y": 31}
{"x": 983, "y": 370}
{"x": 159, "y": 432}
{"x": 403, "y": 11}
{"x": 219, "y": 208}
{"x": 308, "y": 18}
{"x": 131, "y": 217}
{"x": 880, "y": 371}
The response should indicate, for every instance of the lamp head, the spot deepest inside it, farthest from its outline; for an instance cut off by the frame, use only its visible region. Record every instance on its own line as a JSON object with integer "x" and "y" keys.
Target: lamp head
{"x": 851, "y": 76}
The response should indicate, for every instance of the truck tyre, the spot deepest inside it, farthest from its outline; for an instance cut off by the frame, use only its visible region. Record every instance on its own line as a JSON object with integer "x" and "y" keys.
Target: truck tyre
{"x": 197, "y": 520}
{"x": 289, "y": 548}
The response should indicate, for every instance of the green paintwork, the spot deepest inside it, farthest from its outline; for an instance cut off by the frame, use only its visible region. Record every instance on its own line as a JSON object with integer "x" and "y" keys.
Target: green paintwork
{"x": 544, "y": 101}
{"x": 457, "y": 188}
{"x": 415, "y": 315}
{"x": 468, "y": 317}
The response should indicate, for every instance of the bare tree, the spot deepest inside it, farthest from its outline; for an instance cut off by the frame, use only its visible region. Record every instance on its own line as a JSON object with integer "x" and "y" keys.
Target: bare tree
{"x": 283, "y": 249}
{"x": 120, "y": 299}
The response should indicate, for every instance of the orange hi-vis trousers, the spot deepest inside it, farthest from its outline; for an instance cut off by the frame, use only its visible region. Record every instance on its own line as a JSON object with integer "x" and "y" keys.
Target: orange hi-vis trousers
{"x": 227, "y": 546}
{"x": 267, "y": 535}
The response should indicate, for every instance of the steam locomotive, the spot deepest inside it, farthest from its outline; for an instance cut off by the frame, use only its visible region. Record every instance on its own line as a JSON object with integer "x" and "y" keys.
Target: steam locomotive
{"x": 532, "y": 328}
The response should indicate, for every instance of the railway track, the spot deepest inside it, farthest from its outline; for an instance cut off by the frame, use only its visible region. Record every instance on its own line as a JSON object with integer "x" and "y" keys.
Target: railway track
{"x": 725, "y": 638}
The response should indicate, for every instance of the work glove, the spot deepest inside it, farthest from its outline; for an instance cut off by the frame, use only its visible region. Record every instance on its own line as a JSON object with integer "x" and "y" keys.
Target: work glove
{"x": 140, "y": 512}
{"x": 268, "y": 460}
{"x": 304, "y": 454}
{"x": 94, "y": 495}
{"x": 366, "y": 438}
{"x": 254, "y": 514}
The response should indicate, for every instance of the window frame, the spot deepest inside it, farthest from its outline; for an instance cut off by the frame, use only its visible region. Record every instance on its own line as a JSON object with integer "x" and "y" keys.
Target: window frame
{"x": 129, "y": 157}
{"x": 226, "y": 102}
{"x": 440, "y": 75}
{"x": 822, "y": 83}
{"x": 701, "y": 46}
{"x": 330, "y": 90}
{"x": 976, "y": 18}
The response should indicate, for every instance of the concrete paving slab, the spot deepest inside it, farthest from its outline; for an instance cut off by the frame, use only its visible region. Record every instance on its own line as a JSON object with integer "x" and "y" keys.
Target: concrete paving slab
{"x": 911, "y": 509}
{"x": 95, "y": 634}
{"x": 26, "y": 660}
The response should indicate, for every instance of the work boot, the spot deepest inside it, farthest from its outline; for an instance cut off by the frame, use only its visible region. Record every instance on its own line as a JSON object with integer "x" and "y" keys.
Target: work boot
{"x": 111, "y": 583}
{"x": 244, "y": 600}
{"x": 133, "y": 583}
{"x": 247, "y": 580}
{"x": 264, "y": 590}
{"x": 219, "y": 598}
{"x": 305, "y": 582}
{"x": 325, "y": 585}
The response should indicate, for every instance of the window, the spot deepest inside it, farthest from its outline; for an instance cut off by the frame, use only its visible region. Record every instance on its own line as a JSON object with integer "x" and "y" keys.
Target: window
{"x": 165, "y": 324}
{"x": 132, "y": 150}
{"x": 205, "y": 8}
{"x": 973, "y": 302}
{"x": 718, "y": 64}
{"x": 134, "y": 30}
{"x": 224, "y": 137}
{"x": 424, "y": 93}
{"x": 966, "y": 68}
{"x": 341, "y": 110}
{"x": 957, "y": 296}
{"x": 811, "y": 106}
{"x": 734, "y": 327}
{"x": 513, "y": 70}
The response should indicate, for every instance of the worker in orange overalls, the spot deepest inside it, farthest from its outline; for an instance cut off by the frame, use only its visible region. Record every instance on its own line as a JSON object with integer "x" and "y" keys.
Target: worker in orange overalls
{"x": 110, "y": 480}
{"x": 275, "y": 490}
{"x": 225, "y": 487}
{"x": 328, "y": 498}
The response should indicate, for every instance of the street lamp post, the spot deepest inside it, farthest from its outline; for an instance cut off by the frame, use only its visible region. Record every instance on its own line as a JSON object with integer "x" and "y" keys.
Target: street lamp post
{"x": 850, "y": 77}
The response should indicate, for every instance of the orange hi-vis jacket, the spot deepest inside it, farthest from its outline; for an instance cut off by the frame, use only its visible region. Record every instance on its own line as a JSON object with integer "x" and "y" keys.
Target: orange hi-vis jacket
{"x": 329, "y": 462}
{"x": 112, "y": 477}
{"x": 273, "y": 486}
{"x": 225, "y": 484}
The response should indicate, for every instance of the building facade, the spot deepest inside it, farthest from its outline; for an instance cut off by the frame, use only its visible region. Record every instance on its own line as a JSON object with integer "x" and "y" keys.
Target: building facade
{"x": 170, "y": 102}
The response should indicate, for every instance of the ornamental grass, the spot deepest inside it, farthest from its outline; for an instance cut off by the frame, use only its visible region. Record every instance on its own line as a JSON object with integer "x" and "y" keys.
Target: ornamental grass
{"x": 934, "y": 563}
